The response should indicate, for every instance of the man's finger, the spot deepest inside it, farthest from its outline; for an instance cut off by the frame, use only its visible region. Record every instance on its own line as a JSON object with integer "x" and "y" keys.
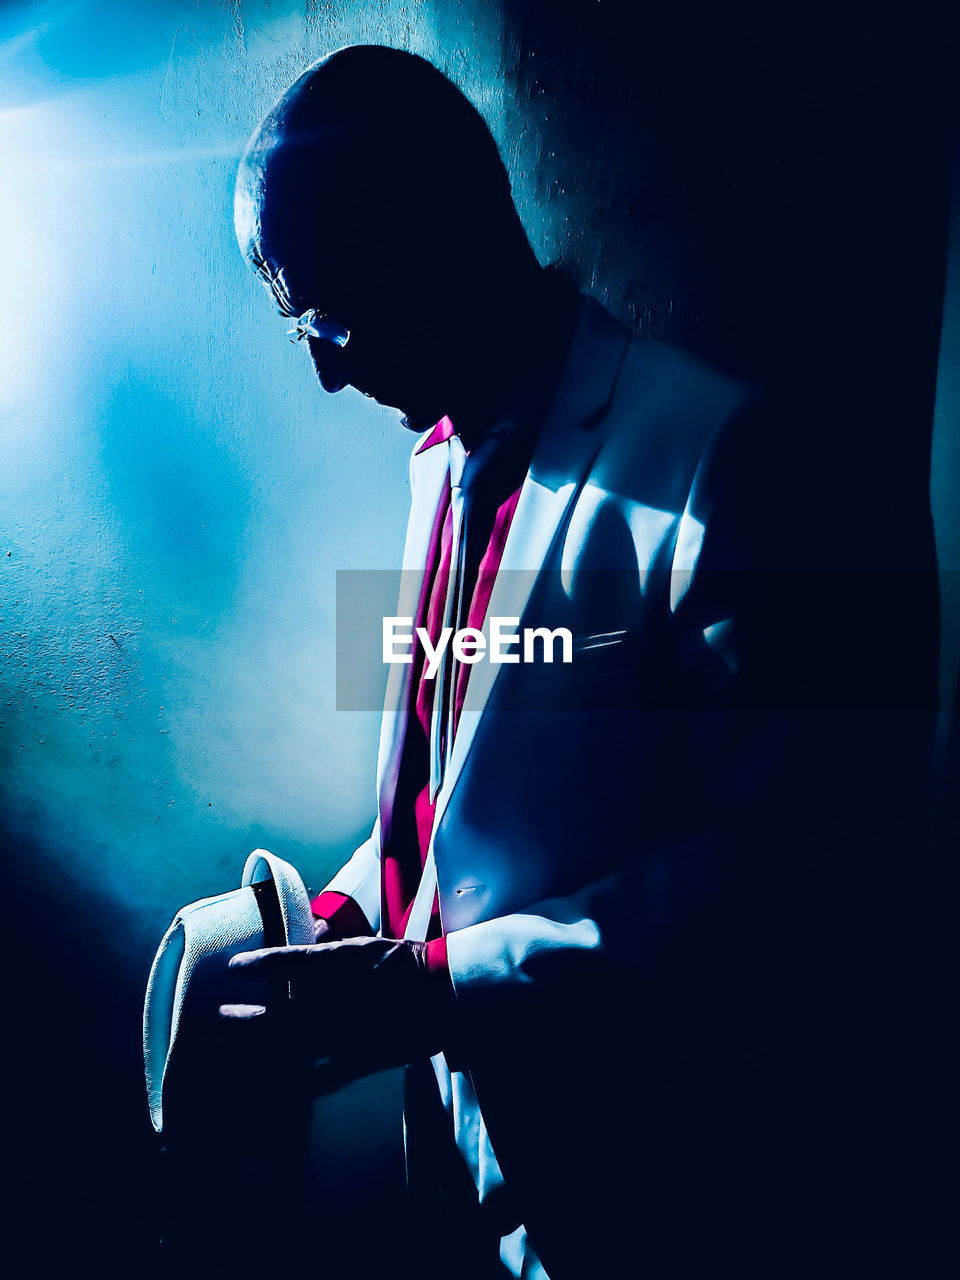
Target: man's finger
{"x": 270, "y": 960}
{"x": 242, "y": 1012}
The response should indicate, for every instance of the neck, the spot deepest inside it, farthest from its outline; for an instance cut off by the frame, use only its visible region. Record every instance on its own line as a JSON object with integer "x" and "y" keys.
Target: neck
{"x": 511, "y": 342}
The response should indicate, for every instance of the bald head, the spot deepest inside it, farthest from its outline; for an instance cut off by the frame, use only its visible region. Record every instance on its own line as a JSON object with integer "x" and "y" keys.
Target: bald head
{"x": 374, "y": 154}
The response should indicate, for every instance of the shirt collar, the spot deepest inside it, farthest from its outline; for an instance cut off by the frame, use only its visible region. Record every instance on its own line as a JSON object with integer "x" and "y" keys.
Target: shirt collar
{"x": 445, "y": 430}
{"x": 441, "y": 432}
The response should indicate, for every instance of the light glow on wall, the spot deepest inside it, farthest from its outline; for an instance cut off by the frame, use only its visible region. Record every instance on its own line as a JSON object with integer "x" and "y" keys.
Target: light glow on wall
{"x": 176, "y": 492}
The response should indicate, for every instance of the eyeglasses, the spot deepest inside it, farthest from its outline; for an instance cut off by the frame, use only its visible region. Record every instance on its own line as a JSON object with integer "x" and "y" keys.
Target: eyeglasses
{"x": 312, "y": 325}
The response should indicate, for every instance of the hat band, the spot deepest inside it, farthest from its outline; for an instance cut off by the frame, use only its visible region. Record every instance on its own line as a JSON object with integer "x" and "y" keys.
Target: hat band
{"x": 268, "y": 904}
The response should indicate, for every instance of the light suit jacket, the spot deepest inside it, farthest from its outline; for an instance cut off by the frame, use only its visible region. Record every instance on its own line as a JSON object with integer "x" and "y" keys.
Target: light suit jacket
{"x": 599, "y": 820}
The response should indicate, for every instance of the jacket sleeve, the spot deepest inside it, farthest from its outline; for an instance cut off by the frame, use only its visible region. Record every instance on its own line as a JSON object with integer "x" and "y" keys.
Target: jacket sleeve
{"x": 354, "y": 891}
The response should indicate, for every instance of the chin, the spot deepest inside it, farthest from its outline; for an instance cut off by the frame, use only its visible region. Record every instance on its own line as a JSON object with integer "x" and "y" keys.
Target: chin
{"x": 419, "y": 421}
{"x": 417, "y": 418}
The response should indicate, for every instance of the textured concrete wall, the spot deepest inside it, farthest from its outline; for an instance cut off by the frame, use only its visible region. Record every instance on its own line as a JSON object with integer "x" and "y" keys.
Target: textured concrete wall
{"x": 176, "y": 491}
{"x": 176, "y": 495}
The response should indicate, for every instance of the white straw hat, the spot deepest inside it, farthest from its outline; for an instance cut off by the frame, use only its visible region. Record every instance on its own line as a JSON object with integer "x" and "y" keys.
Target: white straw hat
{"x": 188, "y": 980}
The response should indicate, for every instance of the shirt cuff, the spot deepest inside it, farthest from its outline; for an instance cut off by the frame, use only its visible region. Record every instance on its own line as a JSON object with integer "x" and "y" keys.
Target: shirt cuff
{"x": 342, "y": 915}
{"x": 435, "y": 955}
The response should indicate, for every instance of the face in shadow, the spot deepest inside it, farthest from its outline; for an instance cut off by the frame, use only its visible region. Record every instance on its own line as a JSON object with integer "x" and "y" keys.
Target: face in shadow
{"x": 367, "y": 321}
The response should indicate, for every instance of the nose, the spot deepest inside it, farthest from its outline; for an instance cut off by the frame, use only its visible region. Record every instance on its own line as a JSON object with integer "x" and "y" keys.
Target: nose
{"x": 329, "y": 365}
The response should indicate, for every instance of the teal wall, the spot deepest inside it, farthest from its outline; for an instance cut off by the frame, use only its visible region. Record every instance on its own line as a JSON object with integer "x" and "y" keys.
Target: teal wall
{"x": 176, "y": 493}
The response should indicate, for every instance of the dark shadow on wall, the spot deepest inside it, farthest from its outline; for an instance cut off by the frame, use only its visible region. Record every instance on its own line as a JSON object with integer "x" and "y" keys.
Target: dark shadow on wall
{"x": 88, "y": 1187}
{"x": 770, "y": 187}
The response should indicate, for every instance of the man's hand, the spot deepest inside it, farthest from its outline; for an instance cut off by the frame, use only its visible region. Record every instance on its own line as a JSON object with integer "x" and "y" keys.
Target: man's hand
{"x": 357, "y": 1006}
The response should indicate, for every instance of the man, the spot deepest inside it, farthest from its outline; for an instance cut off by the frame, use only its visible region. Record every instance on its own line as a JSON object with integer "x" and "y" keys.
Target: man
{"x": 564, "y": 921}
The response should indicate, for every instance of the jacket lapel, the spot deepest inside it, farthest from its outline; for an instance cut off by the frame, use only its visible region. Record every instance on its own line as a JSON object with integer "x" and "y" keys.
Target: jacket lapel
{"x": 566, "y": 448}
